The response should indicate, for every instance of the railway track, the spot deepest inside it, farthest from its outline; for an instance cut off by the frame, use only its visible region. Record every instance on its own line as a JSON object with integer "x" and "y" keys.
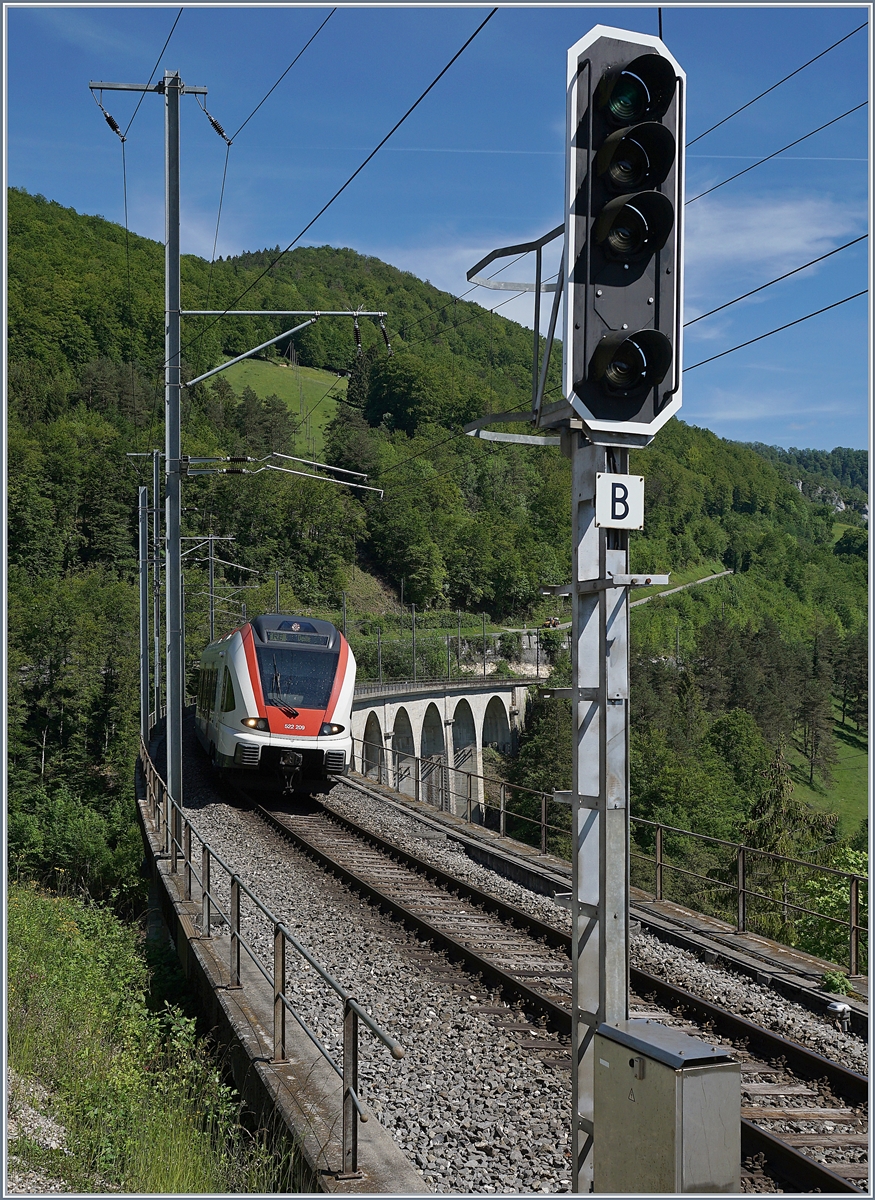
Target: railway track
{"x": 529, "y": 959}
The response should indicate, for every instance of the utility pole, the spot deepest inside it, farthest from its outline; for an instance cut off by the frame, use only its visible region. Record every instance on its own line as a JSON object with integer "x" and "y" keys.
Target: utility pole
{"x": 276, "y": 576}
{"x": 484, "y": 645}
{"x": 212, "y": 570}
{"x": 172, "y": 434}
{"x": 413, "y": 615}
{"x": 156, "y": 577}
{"x": 143, "y": 513}
{"x": 380, "y": 653}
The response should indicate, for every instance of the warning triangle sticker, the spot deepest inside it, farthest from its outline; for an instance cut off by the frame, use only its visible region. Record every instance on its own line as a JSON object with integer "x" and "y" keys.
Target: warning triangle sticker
{"x": 631, "y": 1095}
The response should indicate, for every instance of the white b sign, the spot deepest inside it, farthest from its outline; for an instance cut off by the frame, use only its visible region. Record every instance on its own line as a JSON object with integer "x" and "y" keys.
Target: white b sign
{"x": 619, "y": 501}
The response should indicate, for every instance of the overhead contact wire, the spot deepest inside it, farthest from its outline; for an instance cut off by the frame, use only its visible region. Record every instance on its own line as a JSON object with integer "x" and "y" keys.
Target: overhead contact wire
{"x": 789, "y": 324}
{"x": 775, "y": 153}
{"x": 358, "y": 169}
{"x": 786, "y": 275}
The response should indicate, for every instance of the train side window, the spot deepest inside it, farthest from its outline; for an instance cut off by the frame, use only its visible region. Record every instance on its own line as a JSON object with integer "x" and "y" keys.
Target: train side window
{"x": 229, "y": 703}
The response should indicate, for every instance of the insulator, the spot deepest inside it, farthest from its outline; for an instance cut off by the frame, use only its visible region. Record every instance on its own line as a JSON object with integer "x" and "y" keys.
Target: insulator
{"x": 218, "y": 128}
{"x": 112, "y": 123}
{"x": 239, "y": 458}
{"x": 357, "y": 334}
{"x": 385, "y": 336}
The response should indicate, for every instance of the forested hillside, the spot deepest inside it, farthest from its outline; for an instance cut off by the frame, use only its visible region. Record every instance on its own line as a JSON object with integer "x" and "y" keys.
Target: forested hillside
{"x": 841, "y": 476}
{"x": 723, "y": 676}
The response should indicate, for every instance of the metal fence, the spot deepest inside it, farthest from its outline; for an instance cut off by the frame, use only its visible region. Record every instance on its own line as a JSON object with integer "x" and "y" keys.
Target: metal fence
{"x": 513, "y": 811}
{"x": 755, "y": 890}
{"x": 470, "y": 683}
{"x": 222, "y": 901}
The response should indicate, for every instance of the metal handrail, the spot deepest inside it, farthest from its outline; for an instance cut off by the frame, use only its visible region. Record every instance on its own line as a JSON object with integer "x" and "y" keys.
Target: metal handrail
{"x": 704, "y": 837}
{"x": 477, "y": 682}
{"x": 168, "y": 816}
{"x": 423, "y": 768}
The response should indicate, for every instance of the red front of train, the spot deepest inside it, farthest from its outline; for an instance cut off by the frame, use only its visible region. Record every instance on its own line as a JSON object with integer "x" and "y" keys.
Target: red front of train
{"x": 275, "y": 696}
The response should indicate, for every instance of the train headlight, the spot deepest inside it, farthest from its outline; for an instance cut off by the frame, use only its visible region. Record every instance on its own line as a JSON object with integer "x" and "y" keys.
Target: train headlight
{"x": 256, "y": 723}
{"x": 329, "y": 728}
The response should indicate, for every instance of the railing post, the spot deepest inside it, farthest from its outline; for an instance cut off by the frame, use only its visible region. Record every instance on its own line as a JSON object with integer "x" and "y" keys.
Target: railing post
{"x": 658, "y": 862}
{"x": 279, "y": 987}
{"x": 350, "y": 1084}
{"x": 854, "y": 947}
{"x": 186, "y": 853}
{"x": 544, "y": 824}
{"x": 174, "y": 838}
{"x": 166, "y": 807}
{"x": 469, "y": 797}
{"x": 502, "y": 809}
{"x": 206, "y": 907}
{"x": 417, "y": 778}
{"x": 235, "y": 932}
{"x": 742, "y": 893}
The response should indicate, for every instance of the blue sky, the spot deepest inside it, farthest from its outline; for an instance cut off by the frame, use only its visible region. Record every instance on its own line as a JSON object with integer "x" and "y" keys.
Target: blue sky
{"x": 480, "y": 163}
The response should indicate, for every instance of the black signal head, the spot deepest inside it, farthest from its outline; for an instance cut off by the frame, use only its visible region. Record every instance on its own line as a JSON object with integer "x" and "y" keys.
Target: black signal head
{"x": 636, "y": 157}
{"x": 632, "y": 228}
{"x": 640, "y": 91}
{"x": 628, "y": 364}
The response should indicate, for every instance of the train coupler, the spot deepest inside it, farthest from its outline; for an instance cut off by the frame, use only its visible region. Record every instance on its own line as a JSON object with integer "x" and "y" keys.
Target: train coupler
{"x": 290, "y": 769}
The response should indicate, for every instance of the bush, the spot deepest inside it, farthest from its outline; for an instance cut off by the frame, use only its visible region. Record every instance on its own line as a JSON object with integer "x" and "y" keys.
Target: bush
{"x": 140, "y": 1095}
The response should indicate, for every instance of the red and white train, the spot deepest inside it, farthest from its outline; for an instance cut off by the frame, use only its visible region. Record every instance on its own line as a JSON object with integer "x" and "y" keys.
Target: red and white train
{"x": 275, "y": 697}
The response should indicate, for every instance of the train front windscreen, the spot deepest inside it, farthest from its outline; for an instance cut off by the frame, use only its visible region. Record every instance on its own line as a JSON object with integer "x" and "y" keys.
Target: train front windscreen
{"x": 297, "y": 678}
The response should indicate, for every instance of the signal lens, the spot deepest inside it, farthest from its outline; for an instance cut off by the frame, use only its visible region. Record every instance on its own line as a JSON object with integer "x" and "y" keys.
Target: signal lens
{"x": 627, "y": 368}
{"x": 629, "y": 100}
{"x": 624, "y": 364}
{"x": 635, "y": 158}
{"x": 634, "y": 226}
{"x": 644, "y": 89}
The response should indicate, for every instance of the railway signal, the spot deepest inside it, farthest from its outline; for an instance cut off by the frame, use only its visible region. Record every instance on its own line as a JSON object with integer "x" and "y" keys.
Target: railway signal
{"x": 623, "y": 235}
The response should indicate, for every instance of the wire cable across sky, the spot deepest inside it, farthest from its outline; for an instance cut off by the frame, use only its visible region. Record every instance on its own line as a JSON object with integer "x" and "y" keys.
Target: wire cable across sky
{"x": 357, "y": 171}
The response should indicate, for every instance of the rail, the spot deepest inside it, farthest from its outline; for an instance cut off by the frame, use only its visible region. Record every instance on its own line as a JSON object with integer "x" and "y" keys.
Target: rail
{"x": 179, "y": 842}
{"x": 744, "y": 870}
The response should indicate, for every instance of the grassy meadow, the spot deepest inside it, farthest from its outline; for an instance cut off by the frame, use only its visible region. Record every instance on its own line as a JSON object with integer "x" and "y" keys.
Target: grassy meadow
{"x": 310, "y": 396}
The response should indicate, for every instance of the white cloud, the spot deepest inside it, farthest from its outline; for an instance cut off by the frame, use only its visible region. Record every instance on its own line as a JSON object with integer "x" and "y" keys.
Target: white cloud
{"x": 762, "y": 236}
{"x": 74, "y": 26}
{"x": 723, "y": 405}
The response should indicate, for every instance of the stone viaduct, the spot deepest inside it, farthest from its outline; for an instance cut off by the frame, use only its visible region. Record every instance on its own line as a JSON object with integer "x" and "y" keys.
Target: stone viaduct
{"x": 445, "y": 724}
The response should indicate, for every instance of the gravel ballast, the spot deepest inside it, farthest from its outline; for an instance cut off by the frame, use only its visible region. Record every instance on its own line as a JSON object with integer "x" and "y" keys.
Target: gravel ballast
{"x": 474, "y": 1111}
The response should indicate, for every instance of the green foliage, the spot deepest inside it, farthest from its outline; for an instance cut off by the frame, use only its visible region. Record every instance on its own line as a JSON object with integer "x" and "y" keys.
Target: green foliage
{"x": 836, "y": 982}
{"x": 510, "y": 646}
{"x": 830, "y": 896}
{"x": 853, "y": 542}
{"x": 140, "y": 1095}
